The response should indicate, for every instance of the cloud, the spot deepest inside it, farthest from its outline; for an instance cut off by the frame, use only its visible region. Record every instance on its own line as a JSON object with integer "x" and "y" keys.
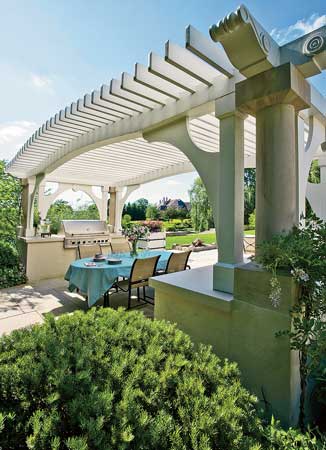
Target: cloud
{"x": 301, "y": 27}
{"x": 41, "y": 82}
{"x": 13, "y": 135}
{"x": 173, "y": 182}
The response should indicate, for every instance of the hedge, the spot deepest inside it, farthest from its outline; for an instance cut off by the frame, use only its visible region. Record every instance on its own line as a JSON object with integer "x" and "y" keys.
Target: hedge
{"x": 113, "y": 380}
{"x": 11, "y": 270}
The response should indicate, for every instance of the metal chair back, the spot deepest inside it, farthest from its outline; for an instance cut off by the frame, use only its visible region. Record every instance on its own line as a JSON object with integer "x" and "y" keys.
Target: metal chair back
{"x": 142, "y": 270}
{"x": 249, "y": 243}
{"x": 88, "y": 250}
{"x": 120, "y": 246}
{"x": 178, "y": 262}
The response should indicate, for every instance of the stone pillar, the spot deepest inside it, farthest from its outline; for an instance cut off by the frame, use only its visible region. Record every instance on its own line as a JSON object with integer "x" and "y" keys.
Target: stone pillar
{"x": 104, "y": 203}
{"x": 230, "y": 192}
{"x": 274, "y": 97}
{"x": 112, "y": 206}
{"x": 119, "y": 203}
{"x": 118, "y": 197}
{"x": 276, "y": 170}
{"x": 322, "y": 166}
{"x": 42, "y": 207}
{"x": 30, "y": 189}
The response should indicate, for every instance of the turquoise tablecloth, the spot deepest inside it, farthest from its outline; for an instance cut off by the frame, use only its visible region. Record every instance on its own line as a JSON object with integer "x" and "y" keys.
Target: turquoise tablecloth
{"x": 95, "y": 281}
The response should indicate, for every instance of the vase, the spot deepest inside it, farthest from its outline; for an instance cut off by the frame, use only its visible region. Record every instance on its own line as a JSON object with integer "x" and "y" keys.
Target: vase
{"x": 134, "y": 251}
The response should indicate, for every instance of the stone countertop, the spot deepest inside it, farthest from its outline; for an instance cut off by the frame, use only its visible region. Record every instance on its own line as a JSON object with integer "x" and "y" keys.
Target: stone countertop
{"x": 38, "y": 239}
{"x": 197, "y": 282}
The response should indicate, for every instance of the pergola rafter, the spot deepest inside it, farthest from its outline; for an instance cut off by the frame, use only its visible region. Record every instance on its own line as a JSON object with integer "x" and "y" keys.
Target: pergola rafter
{"x": 98, "y": 139}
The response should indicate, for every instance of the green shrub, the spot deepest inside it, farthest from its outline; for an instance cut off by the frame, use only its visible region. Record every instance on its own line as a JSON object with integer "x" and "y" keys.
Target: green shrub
{"x": 11, "y": 270}
{"x": 126, "y": 220}
{"x": 252, "y": 220}
{"x": 8, "y": 255}
{"x": 169, "y": 226}
{"x": 275, "y": 438}
{"x": 187, "y": 223}
{"x": 115, "y": 380}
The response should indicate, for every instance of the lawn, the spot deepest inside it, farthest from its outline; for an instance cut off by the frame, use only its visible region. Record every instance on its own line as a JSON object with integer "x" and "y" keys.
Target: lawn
{"x": 207, "y": 238}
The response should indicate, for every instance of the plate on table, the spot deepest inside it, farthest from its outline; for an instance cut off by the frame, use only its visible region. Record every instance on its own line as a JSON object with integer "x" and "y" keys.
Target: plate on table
{"x": 114, "y": 261}
{"x": 99, "y": 258}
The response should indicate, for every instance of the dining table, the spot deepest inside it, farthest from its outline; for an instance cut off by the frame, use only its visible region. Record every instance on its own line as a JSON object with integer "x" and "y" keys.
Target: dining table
{"x": 94, "y": 279}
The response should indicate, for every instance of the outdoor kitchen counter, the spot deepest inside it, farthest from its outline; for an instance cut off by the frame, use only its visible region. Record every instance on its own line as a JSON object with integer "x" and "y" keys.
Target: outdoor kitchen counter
{"x": 46, "y": 257}
{"x": 34, "y": 239}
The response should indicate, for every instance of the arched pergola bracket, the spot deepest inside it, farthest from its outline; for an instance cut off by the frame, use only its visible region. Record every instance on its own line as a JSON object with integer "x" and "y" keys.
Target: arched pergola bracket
{"x": 118, "y": 197}
{"x": 222, "y": 174}
{"x": 206, "y": 164}
{"x": 45, "y": 201}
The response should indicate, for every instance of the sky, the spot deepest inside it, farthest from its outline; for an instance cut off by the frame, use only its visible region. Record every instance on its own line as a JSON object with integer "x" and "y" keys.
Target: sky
{"x": 52, "y": 53}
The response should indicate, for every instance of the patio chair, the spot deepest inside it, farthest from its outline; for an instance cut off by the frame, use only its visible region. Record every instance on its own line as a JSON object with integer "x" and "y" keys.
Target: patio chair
{"x": 177, "y": 262}
{"x": 120, "y": 246}
{"x": 88, "y": 250}
{"x": 249, "y": 244}
{"x": 142, "y": 269}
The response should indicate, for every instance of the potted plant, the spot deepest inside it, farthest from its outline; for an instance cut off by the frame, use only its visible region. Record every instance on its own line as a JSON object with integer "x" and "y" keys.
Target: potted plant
{"x": 134, "y": 233}
{"x": 156, "y": 238}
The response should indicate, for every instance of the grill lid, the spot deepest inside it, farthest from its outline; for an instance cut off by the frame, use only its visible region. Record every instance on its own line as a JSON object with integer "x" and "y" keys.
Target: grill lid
{"x": 75, "y": 227}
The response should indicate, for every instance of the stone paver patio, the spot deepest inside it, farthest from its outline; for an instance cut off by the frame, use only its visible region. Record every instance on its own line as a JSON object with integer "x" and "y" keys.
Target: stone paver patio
{"x": 25, "y": 305}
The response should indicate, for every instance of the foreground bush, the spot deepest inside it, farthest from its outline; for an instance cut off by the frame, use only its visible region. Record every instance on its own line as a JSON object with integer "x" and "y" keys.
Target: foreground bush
{"x": 11, "y": 270}
{"x": 115, "y": 380}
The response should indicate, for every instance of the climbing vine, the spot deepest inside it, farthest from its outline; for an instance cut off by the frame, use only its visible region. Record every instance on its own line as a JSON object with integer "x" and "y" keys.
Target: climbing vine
{"x": 302, "y": 253}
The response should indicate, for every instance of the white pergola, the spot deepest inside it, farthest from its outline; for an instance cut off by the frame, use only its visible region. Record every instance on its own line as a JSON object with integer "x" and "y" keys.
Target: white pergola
{"x": 195, "y": 108}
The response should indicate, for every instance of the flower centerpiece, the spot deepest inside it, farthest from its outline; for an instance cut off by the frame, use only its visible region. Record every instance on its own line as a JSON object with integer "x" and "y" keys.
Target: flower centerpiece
{"x": 133, "y": 233}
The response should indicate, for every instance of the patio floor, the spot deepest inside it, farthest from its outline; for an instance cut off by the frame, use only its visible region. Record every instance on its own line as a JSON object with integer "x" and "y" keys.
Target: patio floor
{"x": 25, "y": 305}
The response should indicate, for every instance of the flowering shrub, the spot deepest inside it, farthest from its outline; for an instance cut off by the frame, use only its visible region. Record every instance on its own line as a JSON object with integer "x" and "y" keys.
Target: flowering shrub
{"x": 153, "y": 225}
{"x": 302, "y": 253}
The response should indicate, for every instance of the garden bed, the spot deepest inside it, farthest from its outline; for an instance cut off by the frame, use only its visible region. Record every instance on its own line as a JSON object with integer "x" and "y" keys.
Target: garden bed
{"x": 193, "y": 248}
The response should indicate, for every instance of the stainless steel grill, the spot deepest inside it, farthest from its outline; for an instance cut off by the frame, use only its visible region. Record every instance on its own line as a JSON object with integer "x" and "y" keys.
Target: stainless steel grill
{"x": 85, "y": 232}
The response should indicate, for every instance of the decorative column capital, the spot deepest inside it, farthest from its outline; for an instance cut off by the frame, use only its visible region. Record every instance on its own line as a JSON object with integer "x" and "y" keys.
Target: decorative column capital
{"x": 248, "y": 45}
{"x": 279, "y": 85}
{"x": 105, "y": 189}
{"x": 226, "y": 107}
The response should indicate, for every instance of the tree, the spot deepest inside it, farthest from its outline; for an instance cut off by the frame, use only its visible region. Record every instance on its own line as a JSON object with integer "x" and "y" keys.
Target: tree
{"x": 249, "y": 193}
{"x": 201, "y": 211}
{"x": 136, "y": 210}
{"x": 87, "y": 212}
{"x": 171, "y": 213}
{"x": 152, "y": 212}
{"x": 59, "y": 210}
{"x": 10, "y": 204}
{"x": 314, "y": 173}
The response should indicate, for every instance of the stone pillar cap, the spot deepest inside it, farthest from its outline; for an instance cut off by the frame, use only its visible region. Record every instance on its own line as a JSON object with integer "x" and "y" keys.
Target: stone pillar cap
{"x": 279, "y": 85}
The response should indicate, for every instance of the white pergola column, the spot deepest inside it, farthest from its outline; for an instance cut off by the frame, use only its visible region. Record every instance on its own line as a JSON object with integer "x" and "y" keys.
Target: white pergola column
{"x": 112, "y": 207}
{"x": 276, "y": 179}
{"x": 275, "y": 97}
{"x": 30, "y": 189}
{"x": 316, "y": 192}
{"x": 230, "y": 192}
{"x": 322, "y": 165}
{"x": 118, "y": 197}
{"x": 104, "y": 203}
{"x": 306, "y": 153}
